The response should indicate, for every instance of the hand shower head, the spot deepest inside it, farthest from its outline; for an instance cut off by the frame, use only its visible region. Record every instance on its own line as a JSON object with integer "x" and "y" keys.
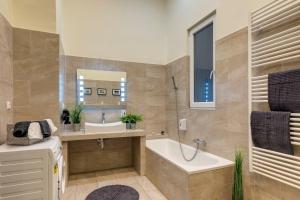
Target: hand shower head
{"x": 174, "y": 84}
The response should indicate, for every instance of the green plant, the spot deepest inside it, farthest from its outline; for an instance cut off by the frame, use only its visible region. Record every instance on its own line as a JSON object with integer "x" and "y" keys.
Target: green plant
{"x": 75, "y": 114}
{"x": 237, "y": 193}
{"x": 131, "y": 118}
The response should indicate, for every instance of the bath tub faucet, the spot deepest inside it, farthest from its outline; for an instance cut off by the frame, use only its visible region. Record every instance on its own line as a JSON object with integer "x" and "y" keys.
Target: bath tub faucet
{"x": 200, "y": 141}
{"x": 103, "y": 118}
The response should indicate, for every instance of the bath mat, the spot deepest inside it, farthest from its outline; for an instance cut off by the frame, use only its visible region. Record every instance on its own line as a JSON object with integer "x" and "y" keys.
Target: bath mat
{"x": 114, "y": 192}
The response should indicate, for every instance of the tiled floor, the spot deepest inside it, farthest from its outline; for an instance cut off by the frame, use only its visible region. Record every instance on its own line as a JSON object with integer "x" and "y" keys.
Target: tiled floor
{"x": 81, "y": 185}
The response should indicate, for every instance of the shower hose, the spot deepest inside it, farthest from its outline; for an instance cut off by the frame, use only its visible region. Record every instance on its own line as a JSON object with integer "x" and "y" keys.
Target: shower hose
{"x": 178, "y": 132}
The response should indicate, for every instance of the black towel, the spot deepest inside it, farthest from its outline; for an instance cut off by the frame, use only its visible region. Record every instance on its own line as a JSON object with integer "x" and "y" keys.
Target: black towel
{"x": 45, "y": 128}
{"x": 271, "y": 130}
{"x": 284, "y": 91}
{"x": 21, "y": 129}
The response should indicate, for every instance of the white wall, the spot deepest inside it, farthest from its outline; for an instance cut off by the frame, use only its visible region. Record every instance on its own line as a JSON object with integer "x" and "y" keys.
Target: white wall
{"x": 36, "y": 15}
{"x": 127, "y": 30}
{"x": 59, "y": 17}
{"x": 147, "y": 31}
{"x": 6, "y": 9}
{"x": 231, "y": 16}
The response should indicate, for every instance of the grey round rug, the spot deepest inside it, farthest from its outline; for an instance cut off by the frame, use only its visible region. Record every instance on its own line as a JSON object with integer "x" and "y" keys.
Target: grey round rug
{"x": 114, "y": 192}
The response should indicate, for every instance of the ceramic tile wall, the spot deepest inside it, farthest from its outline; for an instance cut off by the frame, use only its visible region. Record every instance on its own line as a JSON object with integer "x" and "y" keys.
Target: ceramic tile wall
{"x": 226, "y": 128}
{"x": 36, "y": 75}
{"x": 87, "y": 156}
{"x": 146, "y": 88}
{"x": 6, "y": 75}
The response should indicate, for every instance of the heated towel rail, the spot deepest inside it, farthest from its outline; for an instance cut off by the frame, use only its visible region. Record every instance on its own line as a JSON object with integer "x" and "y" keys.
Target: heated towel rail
{"x": 274, "y": 38}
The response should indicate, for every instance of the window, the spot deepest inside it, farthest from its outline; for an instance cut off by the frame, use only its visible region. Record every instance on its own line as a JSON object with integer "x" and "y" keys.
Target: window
{"x": 202, "y": 65}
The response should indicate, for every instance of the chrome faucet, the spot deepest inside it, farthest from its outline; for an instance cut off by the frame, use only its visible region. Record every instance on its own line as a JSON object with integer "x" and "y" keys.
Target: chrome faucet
{"x": 200, "y": 141}
{"x": 103, "y": 118}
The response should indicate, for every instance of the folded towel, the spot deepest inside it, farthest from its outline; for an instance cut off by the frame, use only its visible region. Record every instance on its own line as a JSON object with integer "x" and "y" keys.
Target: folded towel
{"x": 46, "y": 131}
{"x": 34, "y": 131}
{"x": 52, "y": 126}
{"x": 284, "y": 91}
{"x": 271, "y": 130}
{"x": 21, "y": 129}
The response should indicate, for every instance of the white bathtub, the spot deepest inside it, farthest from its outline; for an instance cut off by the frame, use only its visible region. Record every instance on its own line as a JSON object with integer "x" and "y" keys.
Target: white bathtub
{"x": 169, "y": 150}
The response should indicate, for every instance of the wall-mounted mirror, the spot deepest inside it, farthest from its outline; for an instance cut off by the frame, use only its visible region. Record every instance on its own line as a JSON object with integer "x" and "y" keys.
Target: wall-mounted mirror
{"x": 103, "y": 89}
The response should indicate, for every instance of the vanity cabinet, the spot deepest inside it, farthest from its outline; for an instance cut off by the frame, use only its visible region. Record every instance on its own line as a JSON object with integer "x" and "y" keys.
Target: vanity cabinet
{"x": 85, "y": 153}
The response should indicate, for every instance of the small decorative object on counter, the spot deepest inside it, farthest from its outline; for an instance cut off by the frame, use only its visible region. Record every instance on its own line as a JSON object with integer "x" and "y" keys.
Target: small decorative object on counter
{"x": 65, "y": 120}
{"x": 131, "y": 120}
{"x": 75, "y": 116}
{"x": 65, "y": 117}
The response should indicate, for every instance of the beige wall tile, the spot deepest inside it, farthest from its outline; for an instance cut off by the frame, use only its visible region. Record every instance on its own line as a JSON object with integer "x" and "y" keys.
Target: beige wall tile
{"x": 226, "y": 128}
{"x": 87, "y": 156}
{"x": 6, "y": 75}
{"x": 146, "y": 88}
{"x": 36, "y": 75}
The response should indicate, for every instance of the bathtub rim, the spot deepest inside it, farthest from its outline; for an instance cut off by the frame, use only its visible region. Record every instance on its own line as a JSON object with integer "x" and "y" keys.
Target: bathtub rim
{"x": 229, "y": 164}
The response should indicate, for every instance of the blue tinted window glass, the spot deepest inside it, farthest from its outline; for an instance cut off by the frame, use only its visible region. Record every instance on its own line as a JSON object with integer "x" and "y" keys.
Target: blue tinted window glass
{"x": 203, "y": 64}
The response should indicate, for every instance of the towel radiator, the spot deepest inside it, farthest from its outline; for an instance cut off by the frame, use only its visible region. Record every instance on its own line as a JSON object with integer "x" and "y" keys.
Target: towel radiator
{"x": 274, "y": 45}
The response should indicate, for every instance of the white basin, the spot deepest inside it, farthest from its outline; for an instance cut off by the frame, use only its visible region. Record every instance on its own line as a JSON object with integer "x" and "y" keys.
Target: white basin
{"x": 107, "y": 127}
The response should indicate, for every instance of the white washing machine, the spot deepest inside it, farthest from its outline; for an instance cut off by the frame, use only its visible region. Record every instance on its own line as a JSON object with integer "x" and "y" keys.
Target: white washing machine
{"x": 32, "y": 172}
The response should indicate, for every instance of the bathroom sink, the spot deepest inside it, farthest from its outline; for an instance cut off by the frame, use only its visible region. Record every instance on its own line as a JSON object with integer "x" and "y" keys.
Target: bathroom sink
{"x": 106, "y": 127}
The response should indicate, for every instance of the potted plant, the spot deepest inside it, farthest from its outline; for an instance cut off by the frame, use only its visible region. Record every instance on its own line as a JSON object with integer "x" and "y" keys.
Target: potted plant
{"x": 75, "y": 116}
{"x": 237, "y": 192}
{"x": 131, "y": 120}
